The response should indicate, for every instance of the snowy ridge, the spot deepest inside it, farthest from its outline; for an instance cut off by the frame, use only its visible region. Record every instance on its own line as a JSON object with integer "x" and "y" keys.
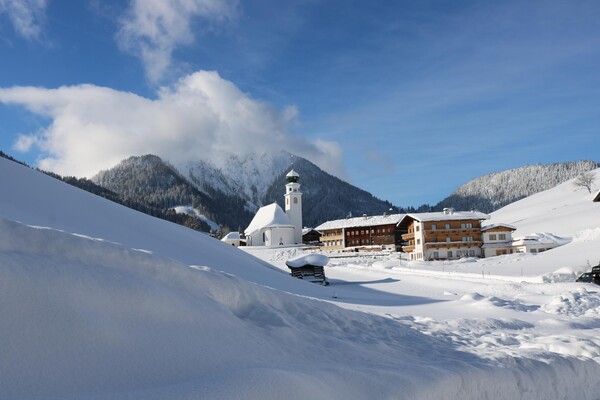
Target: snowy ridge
{"x": 490, "y": 192}
{"x": 249, "y": 175}
{"x": 189, "y": 210}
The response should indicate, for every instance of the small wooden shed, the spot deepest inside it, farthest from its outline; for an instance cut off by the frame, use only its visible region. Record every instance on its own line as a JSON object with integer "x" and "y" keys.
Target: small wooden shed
{"x": 309, "y": 267}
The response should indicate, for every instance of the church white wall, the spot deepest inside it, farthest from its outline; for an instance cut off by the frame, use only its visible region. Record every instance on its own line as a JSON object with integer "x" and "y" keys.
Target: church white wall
{"x": 279, "y": 236}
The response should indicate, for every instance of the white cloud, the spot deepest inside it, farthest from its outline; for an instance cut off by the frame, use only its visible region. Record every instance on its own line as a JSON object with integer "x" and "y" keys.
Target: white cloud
{"x": 152, "y": 29}
{"x": 26, "y": 16}
{"x": 201, "y": 117}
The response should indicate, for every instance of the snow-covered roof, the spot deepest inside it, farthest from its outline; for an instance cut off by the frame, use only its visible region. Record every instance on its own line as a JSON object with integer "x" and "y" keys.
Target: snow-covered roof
{"x": 448, "y": 216}
{"x": 292, "y": 173}
{"x": 232, "y": 236}
{"x": 597, "y": 197}
{"x": 355, "y": 222}
{"x": 318, "y": 260}
{"x": 499, "y": 225}
{"x": 271, "y": 215}
{"x": 541, "y": 238}
{"x": 306, "y": 230}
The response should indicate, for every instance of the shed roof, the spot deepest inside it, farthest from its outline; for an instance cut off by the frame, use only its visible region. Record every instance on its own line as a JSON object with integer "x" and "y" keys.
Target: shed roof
{"x": 597, "y": 197}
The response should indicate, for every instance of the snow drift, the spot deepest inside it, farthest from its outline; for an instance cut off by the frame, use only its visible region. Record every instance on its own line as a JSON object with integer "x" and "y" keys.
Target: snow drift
{"x": 102, "y": 302}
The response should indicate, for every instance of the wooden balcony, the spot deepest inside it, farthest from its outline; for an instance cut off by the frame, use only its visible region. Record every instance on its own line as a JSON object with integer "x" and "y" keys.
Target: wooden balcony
{"x": 408, "y": 236}
{"x": 439, "y": 245}
{"x": 408, "y": 249}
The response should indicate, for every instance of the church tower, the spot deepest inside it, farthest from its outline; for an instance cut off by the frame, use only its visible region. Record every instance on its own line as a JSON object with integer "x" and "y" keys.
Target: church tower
{"x": 293, "y": 203}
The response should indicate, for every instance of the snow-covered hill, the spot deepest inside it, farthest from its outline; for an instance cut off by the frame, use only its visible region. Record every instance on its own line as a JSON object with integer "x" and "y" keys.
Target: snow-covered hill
{"x": 493, "y": 191}
{"x": 102, "y": 302}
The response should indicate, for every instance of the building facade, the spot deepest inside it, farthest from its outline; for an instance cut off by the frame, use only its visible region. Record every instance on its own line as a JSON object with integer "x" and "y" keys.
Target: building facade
{"x": 443, "y": 235}
{"x": 380, "y": 231}
{"x": 497, "y": 239}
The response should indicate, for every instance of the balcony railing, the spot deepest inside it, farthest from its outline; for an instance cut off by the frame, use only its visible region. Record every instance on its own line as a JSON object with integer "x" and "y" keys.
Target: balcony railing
{"x": 460, "y": 243}
{"x": 408, "y": 236}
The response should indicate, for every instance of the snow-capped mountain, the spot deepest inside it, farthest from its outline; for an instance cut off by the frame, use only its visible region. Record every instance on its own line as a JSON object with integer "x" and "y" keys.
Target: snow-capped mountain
{"x": 493, "y": 191}
{"x": 247, "y": 176}
{"x": 230, "y": 193}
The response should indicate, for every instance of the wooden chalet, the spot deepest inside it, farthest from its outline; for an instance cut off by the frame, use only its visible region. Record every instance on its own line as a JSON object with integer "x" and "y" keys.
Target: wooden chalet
{"x": 380, "y": 231}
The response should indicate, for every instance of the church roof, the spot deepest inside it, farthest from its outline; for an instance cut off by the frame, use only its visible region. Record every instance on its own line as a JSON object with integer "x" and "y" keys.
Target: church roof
{"x": 271, "y": 215}
{"x": 292, "y": 173}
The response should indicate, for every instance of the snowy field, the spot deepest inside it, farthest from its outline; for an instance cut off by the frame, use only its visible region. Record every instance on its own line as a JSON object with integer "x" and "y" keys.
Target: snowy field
{"x": 102, "y": 302}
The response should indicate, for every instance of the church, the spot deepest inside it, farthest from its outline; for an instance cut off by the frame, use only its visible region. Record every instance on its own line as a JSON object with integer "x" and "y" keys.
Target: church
{"x": 272, "y": 226}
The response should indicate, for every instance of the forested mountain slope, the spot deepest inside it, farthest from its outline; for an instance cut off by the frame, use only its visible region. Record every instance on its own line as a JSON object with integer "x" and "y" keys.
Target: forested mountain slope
{"x": 493, "y": 191}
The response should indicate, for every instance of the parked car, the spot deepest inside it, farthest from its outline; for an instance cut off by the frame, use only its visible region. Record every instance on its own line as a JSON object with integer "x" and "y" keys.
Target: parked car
{"x": 585, "y": 277}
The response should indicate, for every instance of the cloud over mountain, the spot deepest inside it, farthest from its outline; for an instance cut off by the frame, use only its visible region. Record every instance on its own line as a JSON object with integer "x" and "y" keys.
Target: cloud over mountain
{"x": 202, "y": 116}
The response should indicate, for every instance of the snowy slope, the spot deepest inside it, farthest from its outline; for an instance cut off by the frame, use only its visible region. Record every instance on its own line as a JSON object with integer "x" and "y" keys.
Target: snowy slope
{"x": 35, "y": 199}
{"x": 565, "y": 210}
{"x": 119, "y": 305}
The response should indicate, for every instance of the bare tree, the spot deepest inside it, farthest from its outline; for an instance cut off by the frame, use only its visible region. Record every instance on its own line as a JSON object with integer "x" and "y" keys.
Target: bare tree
{"x": 585, "y": 180}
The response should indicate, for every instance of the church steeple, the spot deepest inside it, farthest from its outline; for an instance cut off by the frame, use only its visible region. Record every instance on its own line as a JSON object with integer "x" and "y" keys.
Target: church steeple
{"x": 293, "y": 203}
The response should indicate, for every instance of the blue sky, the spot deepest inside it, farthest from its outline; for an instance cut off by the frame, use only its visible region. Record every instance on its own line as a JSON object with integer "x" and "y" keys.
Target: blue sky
{"x": 406, "y": 99}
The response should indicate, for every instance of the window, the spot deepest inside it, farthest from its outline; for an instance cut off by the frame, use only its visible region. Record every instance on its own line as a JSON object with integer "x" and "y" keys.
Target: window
{"x": 450, "y": 254}
{"x": 436, "y": 254}
{"x": 295, "y": 200}
{"x": 417, "y": 228}
{"x": 492, "y": 236}
{"x": 433, "y": 227}
{"x": 533, "y": 250}
{"x": 448, "y": 240}
{"x": 466, "y": 225}
{"x": 467, "y": 238}
{"x": 447, "y": 226}
{"x": 471, "y": 253}
{"x": 418, "y": 241}
{"x": 502, "y": 236}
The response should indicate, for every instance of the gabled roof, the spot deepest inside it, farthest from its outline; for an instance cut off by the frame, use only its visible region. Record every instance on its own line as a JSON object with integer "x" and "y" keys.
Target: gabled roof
{"x": 306, "y": 230}
{"x": 267, "y": 216}
{"x": 448, "y": 216}
{"x": 357, "y": 222}
{"x": 597, "y": 197}
{"x": 500, "y": 225}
